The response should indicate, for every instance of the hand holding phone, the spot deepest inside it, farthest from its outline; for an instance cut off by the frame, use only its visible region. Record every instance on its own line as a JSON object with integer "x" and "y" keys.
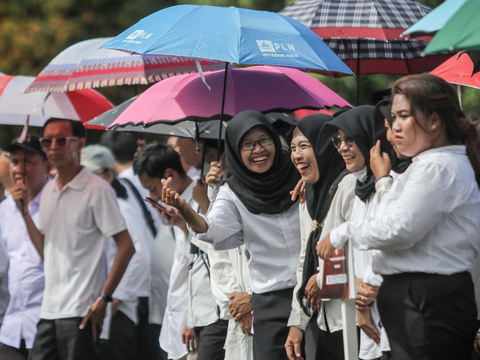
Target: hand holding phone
{"x": 158, "y": 206}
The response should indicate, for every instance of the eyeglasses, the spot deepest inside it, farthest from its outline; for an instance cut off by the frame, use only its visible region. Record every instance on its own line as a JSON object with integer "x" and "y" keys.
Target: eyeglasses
{"x": 250, "y": 145}
{"x": 337, "y": 141}
{"x": 61, "y": 142}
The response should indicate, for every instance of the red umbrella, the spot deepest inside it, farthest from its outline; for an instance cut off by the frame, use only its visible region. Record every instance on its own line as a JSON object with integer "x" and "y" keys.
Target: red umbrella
{"x": 16, "y": 105}
{"x": 460, "y": 69}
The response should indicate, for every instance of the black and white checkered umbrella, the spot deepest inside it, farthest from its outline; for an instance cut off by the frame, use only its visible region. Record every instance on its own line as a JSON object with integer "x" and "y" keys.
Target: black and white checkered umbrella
{"x": 357, "y": 19}
{"x": 369, "y": 31}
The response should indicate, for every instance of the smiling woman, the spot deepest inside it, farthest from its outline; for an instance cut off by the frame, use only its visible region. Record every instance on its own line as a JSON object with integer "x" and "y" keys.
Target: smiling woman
{"x": 255, "y": 202}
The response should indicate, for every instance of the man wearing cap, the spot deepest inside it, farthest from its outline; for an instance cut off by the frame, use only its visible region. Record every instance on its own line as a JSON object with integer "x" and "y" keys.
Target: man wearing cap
{"x": 25, "y": 272}
{"x": 78, "y": 211}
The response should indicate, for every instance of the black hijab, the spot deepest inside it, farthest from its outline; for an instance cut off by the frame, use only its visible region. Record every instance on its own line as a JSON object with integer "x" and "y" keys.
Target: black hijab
{"x": 267, "y": 193}
{"x": 358, "y": 123}
{"x": 331, "y": 169}
{"x": 383, "y": 110}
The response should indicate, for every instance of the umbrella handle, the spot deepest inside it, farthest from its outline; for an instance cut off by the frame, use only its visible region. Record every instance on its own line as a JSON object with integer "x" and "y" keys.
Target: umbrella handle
{"x": 223, "y": 109}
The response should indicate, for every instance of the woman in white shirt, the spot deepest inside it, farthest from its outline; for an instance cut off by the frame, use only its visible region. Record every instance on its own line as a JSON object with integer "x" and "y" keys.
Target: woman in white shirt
{"x": 426, "y": 229}
{"x": 255, "y": 200}
{"x": 329, "y": 190}
{"x": 359, "y": 131}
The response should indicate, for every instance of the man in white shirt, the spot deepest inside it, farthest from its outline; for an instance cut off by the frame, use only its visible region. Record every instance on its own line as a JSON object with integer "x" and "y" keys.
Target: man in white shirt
{"x": 190, "y": 151}
{"x": 78, "y": 211}
{"x": 124, "y": 146}
{"x": 25, "y": 273}
{"x": 189, "y": 291}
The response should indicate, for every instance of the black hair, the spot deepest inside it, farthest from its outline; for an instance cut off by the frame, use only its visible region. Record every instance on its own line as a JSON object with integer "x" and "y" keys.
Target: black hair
{"x": 154, "y": 159}
{"x": 213, "y": 144}
{"x": 78, "y": 130}
{"x": 120, "y": 190}
{"x": 123, "y": 144}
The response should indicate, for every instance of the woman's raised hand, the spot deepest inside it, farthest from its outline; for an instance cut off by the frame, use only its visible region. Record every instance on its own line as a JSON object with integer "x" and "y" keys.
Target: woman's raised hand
{"x": 379, "y": 161}
{"x": 214, "y": 175}
{"x": 171, "y": 197}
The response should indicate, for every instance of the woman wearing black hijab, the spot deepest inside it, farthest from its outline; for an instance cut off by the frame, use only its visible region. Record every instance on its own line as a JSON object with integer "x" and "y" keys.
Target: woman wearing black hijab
{"x": 329, "y": 197}
{"x": 255, "y": 202}
{"x": 362, "y": 134}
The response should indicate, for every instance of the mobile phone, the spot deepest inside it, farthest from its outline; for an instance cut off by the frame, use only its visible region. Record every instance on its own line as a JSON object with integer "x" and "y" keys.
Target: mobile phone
{"x": 157, "y": 205}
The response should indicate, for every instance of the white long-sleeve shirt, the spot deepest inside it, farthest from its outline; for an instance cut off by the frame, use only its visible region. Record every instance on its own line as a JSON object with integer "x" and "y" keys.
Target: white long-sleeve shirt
{"x": 363, "y": 265}
{"x": 230, "y": 275}
{"x": 273, "y": 241}
{"x": 428, "y": 222}
{"x": 176, "y": 312}
{"x": 338, "y": 213}
{"x": 25, "y": 275}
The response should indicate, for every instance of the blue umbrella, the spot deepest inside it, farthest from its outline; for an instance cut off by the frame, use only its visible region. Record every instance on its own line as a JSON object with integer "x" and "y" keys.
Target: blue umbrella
{"x": 229, "y": 34}
{"x": 434, "y": 20}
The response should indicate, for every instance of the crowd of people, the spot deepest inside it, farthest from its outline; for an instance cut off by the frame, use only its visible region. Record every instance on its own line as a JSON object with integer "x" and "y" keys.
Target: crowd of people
{"x": 127, "y": 252}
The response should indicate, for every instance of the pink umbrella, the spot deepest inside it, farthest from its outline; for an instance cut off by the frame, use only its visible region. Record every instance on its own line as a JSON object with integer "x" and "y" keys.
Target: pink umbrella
{"x": 261, "y": 88}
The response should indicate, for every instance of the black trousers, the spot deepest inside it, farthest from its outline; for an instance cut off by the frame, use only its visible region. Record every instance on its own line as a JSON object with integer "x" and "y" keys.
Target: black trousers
{"x": 330, "y": 345}
{"x": 429, "y": 316}
{"x": 210, "y": 340}
{"x": 148, "y": 346}
{"x": 61, "y": 339}
{"x": 11, "y": 353}
{"x": 310, "y": 338}
{"x": 270, "y": 317}
{"x": 122, "y": 342}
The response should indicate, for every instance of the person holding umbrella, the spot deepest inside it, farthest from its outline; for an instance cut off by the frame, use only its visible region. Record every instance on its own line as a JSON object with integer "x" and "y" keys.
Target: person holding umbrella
{"x": 255, "y": 200}
{"x": 25, "y": 267}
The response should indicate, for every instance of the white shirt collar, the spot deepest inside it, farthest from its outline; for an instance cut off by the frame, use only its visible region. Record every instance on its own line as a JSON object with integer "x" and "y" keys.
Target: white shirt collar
{"x": 361, "y": 175}
{"x": 128, "y": 172}
{"x": 453, "y": 149}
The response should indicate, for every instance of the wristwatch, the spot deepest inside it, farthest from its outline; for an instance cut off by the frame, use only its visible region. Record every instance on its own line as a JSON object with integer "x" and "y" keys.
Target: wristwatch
{"x": 106, "y": 297}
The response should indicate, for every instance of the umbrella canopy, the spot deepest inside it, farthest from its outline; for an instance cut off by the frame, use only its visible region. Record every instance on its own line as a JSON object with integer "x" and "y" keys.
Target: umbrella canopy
{"x": 229, "y": 34}
{"x": 400, "y": 57}
{"x": 461, "y": 32}
{"x": 15, "y": 104}
{"x": 368, "y": 31}
{"x": 84, "y": 65}
{"x": 187, "y": 129}
{"x": 353, "y": 19}
{"x": 434, "y": 20}
{"x": 261, "y": 88}
{"x": 461, "y": 69}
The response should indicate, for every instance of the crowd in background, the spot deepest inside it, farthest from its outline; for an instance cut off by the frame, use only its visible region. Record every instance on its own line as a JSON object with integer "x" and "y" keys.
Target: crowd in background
{"x": 239, "y": 263}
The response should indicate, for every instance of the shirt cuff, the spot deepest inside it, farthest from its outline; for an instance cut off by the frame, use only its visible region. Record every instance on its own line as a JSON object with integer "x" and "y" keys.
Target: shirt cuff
{"x": 298, "y": 319}
{"x": 372, "y": 278}
{"x": 339, "y": 236}
{"x": 203, "y": 236}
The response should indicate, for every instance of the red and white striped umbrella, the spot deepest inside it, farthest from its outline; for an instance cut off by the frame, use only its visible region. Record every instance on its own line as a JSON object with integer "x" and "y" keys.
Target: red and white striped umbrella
{"x": 84, "y": 65}
{"x": 16, "y": 105}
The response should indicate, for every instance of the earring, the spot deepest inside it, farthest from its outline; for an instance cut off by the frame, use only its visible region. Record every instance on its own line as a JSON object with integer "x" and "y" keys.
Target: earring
{"x": 434, "y": 127}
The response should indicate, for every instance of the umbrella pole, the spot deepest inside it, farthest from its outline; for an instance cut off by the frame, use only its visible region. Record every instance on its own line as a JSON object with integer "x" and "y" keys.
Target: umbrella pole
{"x": 459, "y": 93}
{"x": 223, "y": 109}
{"x": 203, "y": 161}
{"x": 25, "y": 206}
{"x": 358, "y": 72}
